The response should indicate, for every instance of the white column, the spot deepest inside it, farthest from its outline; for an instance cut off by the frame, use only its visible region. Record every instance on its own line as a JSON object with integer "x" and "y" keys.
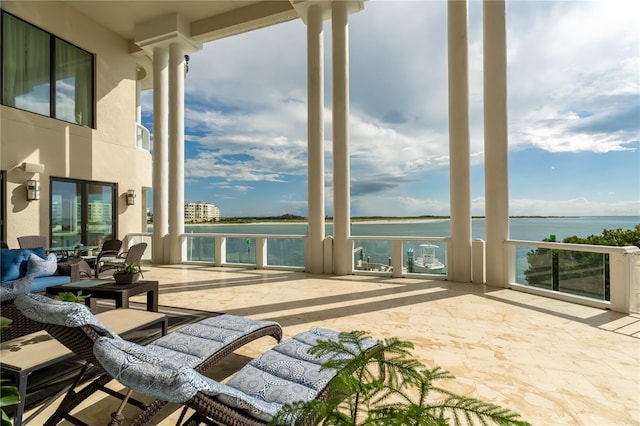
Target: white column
{"x": 459, "y": 263}
{"x": 315, "y": 121}
{"x": 138, "y": 103}
{"x": 342, "y": 250}
{"x": 176, "y": 151}
{"x": 496, "y": 140}
{"x": 160, "y": 154}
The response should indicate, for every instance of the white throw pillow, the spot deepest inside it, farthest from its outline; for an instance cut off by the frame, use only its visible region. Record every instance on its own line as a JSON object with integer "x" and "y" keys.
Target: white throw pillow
{"x": 42, "y": 267}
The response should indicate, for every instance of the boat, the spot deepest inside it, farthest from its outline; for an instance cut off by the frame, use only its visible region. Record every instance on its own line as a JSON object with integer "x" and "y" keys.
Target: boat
{"x": 426, "y": 261}
{"x": 366, "y": 265}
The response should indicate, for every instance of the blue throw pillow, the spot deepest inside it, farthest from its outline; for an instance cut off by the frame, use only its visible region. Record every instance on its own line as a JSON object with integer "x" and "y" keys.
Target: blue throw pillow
{"x": 13, "y": 262}
{"x": 42, "y": 267}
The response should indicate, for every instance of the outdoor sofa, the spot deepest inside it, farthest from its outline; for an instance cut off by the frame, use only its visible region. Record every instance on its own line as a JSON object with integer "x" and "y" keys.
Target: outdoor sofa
{"x": 16, "y": 264}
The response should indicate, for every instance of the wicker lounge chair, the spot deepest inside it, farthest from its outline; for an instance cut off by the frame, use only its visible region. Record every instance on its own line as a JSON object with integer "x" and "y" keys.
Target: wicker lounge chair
{"x": 198, "y": 346}
{"x": 286, "y": 373}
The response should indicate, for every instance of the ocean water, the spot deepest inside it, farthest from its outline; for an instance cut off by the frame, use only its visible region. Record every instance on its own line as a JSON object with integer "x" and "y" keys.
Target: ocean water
{"x": 532, "y": 229}
{"x": 376, "y": 254}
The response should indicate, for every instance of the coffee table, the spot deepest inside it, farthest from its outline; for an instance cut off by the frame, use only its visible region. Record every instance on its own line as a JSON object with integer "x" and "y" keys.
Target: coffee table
{"x": 108, "y": 289}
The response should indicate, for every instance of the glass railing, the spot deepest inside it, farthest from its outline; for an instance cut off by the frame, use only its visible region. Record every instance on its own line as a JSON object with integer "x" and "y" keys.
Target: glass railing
{"x": 567, "y": 271}
{"x": 142, "y": 137}
{"x": 286, "y": 251}
{"x": 602, "y": 276}
{"x": 400, "y": 256}
{"x": 605, "y": 275}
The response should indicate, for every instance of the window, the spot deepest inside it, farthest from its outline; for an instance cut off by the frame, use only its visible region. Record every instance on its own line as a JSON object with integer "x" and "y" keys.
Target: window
{"x": 44, "y": 74}
{"x": 81, "y": 212}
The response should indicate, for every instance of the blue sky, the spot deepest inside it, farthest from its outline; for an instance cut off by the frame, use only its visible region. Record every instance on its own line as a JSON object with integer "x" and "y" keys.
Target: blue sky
{"x": 574, "y": 112}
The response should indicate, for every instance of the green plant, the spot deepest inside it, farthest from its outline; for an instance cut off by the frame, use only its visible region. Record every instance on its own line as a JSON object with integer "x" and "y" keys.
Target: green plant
{"x": 386, "y": 386}
{"x": 8, "y": 396}
{"x": 71, "y": 297}
{"x": 5, "y": 322}
{"x": 127, "y": 268}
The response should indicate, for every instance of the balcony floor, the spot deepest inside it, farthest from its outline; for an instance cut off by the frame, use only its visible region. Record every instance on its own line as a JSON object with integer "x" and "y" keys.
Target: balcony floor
{"x": 554, "y": 362}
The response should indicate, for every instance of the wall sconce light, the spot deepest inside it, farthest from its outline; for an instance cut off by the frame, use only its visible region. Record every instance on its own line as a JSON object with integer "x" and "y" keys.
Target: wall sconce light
{"x": 33, "y": 190}
{"x": 131, "y": 197}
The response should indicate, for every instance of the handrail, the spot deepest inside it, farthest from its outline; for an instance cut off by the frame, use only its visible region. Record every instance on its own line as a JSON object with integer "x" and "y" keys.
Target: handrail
{"x": 623, "y": 272}
{"x": 216, "y": 234}
{"x": 592, "y": 248}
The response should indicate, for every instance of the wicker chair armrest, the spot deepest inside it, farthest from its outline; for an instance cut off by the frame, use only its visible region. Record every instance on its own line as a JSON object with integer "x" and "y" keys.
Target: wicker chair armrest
{"x": 75, "y": 272}
{"x": 107, "y": 253}
{"x": 70, "y": 269}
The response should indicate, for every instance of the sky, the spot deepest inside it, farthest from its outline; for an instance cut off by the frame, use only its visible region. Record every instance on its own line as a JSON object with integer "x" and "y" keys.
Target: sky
{"x": 573, "y": 112}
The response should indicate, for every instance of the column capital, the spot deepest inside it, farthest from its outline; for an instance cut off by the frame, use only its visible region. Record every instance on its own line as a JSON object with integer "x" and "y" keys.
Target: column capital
{"x": 164, "y": 31}
{"x": 302, "y": 7}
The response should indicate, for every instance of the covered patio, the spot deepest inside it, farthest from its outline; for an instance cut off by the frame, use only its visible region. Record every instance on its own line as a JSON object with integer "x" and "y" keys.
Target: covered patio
{"x": 554, "y": 362}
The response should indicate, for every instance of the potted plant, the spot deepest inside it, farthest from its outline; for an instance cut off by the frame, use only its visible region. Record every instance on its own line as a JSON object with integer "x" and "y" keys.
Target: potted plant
{"x": 127, "y": 273}
{"x": 387, "y": 386}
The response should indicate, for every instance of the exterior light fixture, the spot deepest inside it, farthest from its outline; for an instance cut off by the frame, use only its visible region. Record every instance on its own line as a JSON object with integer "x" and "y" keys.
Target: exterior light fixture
{"x": 33, "y": 190}
{"x": 131, "y": 197}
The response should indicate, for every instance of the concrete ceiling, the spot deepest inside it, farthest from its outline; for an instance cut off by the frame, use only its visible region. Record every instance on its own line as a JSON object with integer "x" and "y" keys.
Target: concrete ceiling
{"x": 209, "y": 20}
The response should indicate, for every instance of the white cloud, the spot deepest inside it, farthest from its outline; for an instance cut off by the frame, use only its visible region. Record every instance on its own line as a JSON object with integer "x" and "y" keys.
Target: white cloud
{"x": 573, "y": 87}
{"x": 573, "y": 75}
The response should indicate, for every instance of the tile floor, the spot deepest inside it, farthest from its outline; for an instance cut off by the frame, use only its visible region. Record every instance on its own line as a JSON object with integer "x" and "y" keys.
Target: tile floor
{"x": 555, "y": 363}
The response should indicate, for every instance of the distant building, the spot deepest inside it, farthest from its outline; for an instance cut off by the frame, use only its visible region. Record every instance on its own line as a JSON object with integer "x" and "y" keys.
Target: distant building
{"x": 201, "y": 212}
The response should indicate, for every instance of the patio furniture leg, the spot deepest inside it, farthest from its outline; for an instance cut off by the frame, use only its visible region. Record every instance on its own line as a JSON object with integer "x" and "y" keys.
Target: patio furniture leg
{"x": 116, "y": 417}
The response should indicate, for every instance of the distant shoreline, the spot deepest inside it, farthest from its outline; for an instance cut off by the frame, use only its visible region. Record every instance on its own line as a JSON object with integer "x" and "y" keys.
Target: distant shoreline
{"x": 369, "y": 220}
{"x": 293, "y": 222}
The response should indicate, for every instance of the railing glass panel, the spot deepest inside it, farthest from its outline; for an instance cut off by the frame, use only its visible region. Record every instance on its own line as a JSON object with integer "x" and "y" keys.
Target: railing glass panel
{"x": 424, "y": 257}
{"x": 285, "y": 252}
{"x": 241, "y": 250}
{"x": 417, "y": 256}
{"x": 533, "y": 267}
{"x": 142, "y": 137}
{"x": 583, "y": 274}
{"x": 201, "y": 249}
{"x": 372, "y": 255}
{"x": 578, "y": 273}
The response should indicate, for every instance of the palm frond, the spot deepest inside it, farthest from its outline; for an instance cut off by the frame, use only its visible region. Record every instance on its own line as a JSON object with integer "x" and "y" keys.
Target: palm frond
{"x": 475, "y": 409}
{"x": 384, "y": 385}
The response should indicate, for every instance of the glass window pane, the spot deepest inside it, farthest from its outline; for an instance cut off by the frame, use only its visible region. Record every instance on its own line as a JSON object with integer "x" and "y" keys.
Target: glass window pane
{"x": 73, "y": 84}
{"x": 99, "y": 214}
{"x": 25, "y": 66}
{"x": 66, "y": 214}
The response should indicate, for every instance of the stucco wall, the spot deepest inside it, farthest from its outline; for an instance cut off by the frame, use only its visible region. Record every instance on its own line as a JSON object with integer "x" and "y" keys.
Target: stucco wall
{"x": 106, "y": 153}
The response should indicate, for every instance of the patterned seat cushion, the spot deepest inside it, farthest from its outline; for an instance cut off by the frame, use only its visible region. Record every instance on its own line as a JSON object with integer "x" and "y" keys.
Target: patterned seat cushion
{"x": 194, "y": 343}
{"x": 11, "y": 289}
{"x": 284, "y": 374}
{"x": 69, "y": 314}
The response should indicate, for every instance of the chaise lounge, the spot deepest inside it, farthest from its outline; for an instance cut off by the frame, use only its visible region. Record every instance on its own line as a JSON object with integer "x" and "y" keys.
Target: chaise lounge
{"x": 197, "y": 346}
{"x": 253, "y": 396}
